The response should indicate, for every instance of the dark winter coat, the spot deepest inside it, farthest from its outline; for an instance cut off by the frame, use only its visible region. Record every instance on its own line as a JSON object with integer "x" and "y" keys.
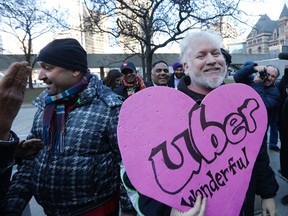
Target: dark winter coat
{"x": 7, "y": 158}
{"x": 171, "y": 80}
{"x": 262, "y": 181}
{"x": 283, "y": 124}
{"x": 269, "y": 94}
{"x": 87, "y": 172}
{"x": 121, "y": 90}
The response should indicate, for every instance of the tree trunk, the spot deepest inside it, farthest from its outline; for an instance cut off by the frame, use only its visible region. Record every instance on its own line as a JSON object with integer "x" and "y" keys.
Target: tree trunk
{"x": 28, "y": 59}
{"x": 149, "y": 59}
{"x": 144, "y": 67}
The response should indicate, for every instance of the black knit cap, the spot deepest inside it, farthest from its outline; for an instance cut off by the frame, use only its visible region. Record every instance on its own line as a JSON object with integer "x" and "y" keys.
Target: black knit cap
{"x": 66, "y": 53}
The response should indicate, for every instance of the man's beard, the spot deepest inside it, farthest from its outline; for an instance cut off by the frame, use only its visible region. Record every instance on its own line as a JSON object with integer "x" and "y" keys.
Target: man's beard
{"x": 208, "y": 82}
{"x": 178, "y": 76}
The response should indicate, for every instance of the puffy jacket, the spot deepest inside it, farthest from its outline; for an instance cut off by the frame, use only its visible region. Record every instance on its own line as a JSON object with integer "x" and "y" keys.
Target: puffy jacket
{"x": 87, "y": 172}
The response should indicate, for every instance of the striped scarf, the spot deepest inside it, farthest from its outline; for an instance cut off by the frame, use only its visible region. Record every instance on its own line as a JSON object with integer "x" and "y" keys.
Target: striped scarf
{"x": 131, "y": 88}
{"x": 53, "y": 128}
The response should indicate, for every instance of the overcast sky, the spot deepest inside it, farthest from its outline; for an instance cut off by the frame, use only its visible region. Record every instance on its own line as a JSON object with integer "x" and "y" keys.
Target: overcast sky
{"x": 272, "y": 8}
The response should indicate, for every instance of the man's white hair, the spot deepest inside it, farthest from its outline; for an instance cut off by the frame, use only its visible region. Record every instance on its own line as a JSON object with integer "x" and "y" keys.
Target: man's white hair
{"x": 190, "y": 41}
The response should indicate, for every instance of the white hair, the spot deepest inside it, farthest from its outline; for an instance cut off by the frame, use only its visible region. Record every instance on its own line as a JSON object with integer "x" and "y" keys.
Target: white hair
{"x": 190, "y": 41}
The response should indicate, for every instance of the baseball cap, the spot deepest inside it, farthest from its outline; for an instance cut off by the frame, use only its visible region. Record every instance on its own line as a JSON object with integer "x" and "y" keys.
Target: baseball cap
{"x": 128, "y": 66}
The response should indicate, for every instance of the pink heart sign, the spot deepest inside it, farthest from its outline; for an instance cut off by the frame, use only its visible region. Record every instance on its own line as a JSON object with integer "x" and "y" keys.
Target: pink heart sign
{"x": 174, "y": 149}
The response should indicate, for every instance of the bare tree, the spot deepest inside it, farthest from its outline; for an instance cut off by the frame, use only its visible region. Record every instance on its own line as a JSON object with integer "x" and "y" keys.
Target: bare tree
{"x": 154, "y": 24}
{"x": 26, "y": 20}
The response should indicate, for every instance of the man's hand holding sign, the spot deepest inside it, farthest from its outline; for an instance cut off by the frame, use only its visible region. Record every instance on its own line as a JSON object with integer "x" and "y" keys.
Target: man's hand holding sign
{"x": 206, "y": 149}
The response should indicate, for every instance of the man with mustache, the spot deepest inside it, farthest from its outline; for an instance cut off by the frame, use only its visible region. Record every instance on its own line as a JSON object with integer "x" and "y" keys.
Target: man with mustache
{"x": 206, "y": 69}
{"x": 262, "y": 79}
{"x": 132, "y": 82}
{"x": 77, "y": 171}
{"x": 177, "y": 75}
{"x": 160, "y": 73}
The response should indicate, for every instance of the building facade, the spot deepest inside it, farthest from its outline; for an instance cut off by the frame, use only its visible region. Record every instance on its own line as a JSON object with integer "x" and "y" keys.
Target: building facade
{"x": 269, "y": 36}
{"x": 93, "y": 41}
{"x": 226, "y": 30}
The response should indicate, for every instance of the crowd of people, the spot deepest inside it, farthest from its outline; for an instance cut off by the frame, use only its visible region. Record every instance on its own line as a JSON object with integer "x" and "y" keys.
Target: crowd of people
{"x": 70, "y": 161}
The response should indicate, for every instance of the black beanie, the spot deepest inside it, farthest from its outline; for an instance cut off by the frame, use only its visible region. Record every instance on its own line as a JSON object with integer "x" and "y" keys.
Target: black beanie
{"x": 66, "y": 53}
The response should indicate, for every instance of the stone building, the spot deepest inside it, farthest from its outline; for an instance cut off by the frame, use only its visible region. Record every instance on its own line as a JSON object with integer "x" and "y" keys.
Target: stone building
{"x": 269, "y": 36}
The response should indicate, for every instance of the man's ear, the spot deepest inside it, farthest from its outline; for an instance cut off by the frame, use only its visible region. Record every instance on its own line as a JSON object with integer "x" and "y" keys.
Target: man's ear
{"x": 185, "y": 66}
{"x": 76, "y": 73}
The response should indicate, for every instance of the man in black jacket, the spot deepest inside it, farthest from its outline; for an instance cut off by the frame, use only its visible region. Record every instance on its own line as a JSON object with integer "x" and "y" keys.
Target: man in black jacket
{"x": 132, "y": 82}
{"x": 77, "y": 170}
{"x": 177, "y": 75}
{"x": 203, "y": 62}
{"x": 159, "y": 73}
{"x": 283, "y": 126}
{"x": 206, "y": 68}
{"x": 262, "y": 80}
